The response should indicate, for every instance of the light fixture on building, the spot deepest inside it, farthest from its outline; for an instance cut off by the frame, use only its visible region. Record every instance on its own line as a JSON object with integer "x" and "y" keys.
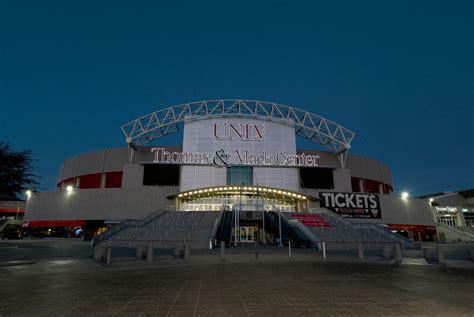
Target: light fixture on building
{"x": 405, "y": 195}
{"x": 69, "y": 188}
{"x": 431, "y": 200}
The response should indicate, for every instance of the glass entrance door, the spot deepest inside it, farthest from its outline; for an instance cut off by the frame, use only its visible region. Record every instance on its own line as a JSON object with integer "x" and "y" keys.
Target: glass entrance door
{"x": 247, "y": 234}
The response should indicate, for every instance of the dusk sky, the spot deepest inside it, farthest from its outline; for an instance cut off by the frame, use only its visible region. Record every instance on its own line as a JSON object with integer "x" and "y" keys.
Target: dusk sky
{"x": 400, "y": 74}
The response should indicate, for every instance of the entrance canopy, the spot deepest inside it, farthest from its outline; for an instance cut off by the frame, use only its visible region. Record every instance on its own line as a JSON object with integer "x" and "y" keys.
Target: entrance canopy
{"x": 241, "y": 198}
{"x": 160, "y": 123}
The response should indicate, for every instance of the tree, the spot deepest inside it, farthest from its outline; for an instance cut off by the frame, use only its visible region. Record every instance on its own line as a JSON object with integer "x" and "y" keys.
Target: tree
{"x": 16, "y": 173}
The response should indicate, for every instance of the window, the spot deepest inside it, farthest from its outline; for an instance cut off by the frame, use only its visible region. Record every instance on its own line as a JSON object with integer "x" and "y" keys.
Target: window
{"x": 316, "y": 177}
{"x": 240, "y": 175}
{"x": 161, "y": 175}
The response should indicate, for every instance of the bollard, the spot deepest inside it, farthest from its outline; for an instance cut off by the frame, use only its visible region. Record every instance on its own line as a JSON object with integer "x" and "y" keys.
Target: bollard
{"x": 187, "y": 251}
{"x": 440, "y": 257}
{"x": 100, "y": 253}
{"x": 210, "y": 244}
{"x": 256, "y": 251}
{"x": 108, "y": 257}
{"x": 398, "y": 253}
{"x": 222, "y": 250}
{"x": 471, "y": 253}
{"x": 324, "y": 250}
{"x": 289, "y": 249}
{"x": 149, "y": 254}
{"x": 386, "y": 251}
{"x": 177, "y": 251}
{"x": 360, "y": 251}
{"x": 139, "y": 252}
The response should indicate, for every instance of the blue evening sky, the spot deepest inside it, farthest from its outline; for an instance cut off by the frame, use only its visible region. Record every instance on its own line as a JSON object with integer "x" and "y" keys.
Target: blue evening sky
{"x": 398, "y": 73}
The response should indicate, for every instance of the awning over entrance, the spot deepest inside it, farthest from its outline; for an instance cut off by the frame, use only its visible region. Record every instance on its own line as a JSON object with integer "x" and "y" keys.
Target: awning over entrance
{"x": 241, "y": 198}
{"x": 254, "y": 190}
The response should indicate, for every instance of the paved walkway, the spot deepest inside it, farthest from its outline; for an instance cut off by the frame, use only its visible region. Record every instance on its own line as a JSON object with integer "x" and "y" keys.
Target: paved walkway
{"x": 273, "y": 285}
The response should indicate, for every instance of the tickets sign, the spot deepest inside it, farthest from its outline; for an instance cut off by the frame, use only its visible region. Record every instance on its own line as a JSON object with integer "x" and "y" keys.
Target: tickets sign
{"x": 352, "y": 205}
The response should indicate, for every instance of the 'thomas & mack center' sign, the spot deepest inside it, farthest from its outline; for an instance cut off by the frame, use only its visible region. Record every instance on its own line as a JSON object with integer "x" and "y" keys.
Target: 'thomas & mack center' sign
{"x": 236, "y": 134}
{"x": 237, "y": 157}
{"x": 352, "y": 205}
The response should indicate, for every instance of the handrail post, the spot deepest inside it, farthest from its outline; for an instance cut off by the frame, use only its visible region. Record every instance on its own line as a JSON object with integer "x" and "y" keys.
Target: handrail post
{"x": 222, "y": 250}
{"x": 398, "y": 253}
{"x": 149, "y": 255}
{"x": 108, "y": 257}
{"x": 360, "y": 253}
{"x": 439, "y": 251}
{"x": 187, "y": 251}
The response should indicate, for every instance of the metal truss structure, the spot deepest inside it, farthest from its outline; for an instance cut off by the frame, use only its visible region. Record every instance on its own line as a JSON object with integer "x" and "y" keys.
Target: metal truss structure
{"x": 307, "y": 125}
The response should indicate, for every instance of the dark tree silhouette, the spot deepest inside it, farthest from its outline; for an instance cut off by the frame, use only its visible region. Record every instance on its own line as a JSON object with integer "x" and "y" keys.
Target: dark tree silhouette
{"x": 16, "y": 173}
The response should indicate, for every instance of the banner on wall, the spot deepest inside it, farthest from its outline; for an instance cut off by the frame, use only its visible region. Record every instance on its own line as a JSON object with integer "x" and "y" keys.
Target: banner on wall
{"x": 352, "y": 205}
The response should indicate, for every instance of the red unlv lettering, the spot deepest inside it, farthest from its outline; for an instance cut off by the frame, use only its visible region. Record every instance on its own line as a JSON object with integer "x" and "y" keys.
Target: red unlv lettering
{"x": 241, "y": 131}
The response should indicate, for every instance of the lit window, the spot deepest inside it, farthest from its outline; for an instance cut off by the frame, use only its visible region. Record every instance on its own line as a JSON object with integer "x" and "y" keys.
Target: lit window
{"x": 240, "y": 175}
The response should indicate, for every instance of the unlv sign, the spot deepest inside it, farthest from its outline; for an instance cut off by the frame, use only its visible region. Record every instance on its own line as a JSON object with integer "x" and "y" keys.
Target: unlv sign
{"x": 241, "y": 131}
{"x": 352, "y": 205}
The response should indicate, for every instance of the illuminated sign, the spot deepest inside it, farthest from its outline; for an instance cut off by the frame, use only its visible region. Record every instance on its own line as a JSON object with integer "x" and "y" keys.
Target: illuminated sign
{"x": 237, "y": 157}
{"x": 446, "y": 209}
{"x": 241, "y": 131}
{"x": 352, "y": 205}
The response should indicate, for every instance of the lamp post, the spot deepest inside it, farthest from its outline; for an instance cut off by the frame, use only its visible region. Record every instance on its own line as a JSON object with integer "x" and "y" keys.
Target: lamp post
{"x": 280, "y": 244}
{"x": 263, "y": 217}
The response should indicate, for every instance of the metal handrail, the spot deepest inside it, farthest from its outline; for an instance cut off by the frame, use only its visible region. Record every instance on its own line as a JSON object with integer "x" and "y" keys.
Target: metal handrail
{"x": 458, "y": 230}
{"x": 357, "y": 227}
{"x": 124, "y": 225}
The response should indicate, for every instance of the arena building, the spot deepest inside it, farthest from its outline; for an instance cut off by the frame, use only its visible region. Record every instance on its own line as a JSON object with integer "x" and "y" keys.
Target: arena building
{"x": 236, "y": 155}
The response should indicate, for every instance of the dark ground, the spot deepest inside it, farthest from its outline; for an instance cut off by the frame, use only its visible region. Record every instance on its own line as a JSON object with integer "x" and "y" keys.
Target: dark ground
{"x": 66, "y": 282}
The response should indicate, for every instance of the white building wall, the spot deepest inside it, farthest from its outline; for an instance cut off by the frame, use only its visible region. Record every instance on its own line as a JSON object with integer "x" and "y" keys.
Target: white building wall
{"x": 99, "y": 204}
{"x": 280, "y": 177}
{"x": 198, "y": 136}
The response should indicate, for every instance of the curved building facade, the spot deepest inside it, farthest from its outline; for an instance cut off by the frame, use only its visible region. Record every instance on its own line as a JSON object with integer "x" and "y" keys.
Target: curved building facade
{"x": 234, "y": 155}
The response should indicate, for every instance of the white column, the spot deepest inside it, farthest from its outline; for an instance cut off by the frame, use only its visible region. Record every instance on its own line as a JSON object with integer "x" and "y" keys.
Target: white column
{"x": 77, "y": 183}
{"x": 381, "y": 188}
{"x": 342, "y": 180}
{"x": 461, "y": 222}
{"x": 103, "y": 180}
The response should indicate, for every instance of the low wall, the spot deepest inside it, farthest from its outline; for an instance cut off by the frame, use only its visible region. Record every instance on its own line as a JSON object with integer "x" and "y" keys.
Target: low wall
{"x": 99, "y": 204}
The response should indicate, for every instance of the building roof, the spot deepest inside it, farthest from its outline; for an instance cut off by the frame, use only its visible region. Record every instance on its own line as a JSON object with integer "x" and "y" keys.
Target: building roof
{"x": 467, "y": 193}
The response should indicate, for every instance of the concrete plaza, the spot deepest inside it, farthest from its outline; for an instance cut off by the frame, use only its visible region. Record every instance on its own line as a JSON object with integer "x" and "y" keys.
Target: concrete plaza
{"x": 79, "y": 286}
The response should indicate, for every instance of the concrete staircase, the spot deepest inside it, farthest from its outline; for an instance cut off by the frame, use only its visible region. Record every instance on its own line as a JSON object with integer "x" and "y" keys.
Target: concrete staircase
{"x": 165, "y": 228}
{"x": 340, "y": 233}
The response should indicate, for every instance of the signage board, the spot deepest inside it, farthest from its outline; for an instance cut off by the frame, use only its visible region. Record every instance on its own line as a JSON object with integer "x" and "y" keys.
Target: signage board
{"x": 446, "y": 209}
{"x": 221, "y": 158}
{"x": 352, "y": 205}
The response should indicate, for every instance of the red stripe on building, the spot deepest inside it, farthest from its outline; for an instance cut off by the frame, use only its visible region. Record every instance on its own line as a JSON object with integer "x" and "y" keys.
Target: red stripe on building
{"x": 12, "y": 210}
{"x": 54, "y": 223}
{"x": 416, "y": 228}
